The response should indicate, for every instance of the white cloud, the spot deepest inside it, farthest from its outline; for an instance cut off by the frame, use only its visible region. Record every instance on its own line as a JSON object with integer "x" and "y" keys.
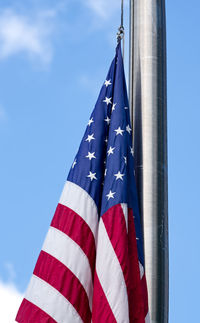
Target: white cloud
{"x": 26, "y": 34}
{"x": 104, "y": 8}
{"x": 10, "y": 299}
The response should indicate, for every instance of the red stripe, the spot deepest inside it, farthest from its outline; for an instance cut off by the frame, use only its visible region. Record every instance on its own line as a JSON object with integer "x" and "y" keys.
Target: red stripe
{"x": 101, "y": 311}
{"x": 115, "y": 225}
{"x": 60, "y": 277}
{"x": 138, "y": 314}
{"x": 28, "y": 312}
{"x": 69, "y": 222}
{"x": 125, "y": 247}
{"x": 145, "y": 294}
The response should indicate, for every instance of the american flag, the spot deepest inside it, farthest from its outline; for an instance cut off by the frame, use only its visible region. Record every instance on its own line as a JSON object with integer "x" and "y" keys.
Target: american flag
{"x": 91, "y": 267}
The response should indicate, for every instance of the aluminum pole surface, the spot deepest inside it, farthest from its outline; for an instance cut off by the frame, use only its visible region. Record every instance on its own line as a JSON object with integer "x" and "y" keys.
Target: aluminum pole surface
{"x": 149, "y": 117}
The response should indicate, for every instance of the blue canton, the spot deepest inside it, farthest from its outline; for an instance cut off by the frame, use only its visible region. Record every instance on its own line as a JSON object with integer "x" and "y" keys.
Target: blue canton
{"x": 104, "y": 164}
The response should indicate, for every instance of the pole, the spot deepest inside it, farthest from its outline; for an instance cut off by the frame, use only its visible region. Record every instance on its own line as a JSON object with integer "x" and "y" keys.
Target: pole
{"x": 149, "y": 118}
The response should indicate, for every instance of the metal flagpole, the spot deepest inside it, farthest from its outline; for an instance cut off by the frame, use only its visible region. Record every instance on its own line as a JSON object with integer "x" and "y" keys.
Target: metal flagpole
{"x": 120, "y": 33}
{"x": 149, "y": 117}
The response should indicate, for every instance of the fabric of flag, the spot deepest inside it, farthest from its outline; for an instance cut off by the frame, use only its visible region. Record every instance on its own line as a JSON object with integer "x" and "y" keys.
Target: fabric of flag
{"x": 91, "y": 267}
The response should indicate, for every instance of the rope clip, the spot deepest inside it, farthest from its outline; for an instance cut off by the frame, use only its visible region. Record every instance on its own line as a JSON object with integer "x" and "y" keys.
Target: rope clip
{"x": 120, "y": 33}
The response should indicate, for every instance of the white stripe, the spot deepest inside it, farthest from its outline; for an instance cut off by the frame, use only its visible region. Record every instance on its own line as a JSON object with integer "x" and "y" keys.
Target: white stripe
{"x": 77, "y": 199}
{"x": 141, "y": 270}
{"x": 125, "y": 211}
{"x": 147, "y": 318}
{"x": 111, "y": 276}
{"x": 51, "y": 301}
{"x": 63, "y": 248}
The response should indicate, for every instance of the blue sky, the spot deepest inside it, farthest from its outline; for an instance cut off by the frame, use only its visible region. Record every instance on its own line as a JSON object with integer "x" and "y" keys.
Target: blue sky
{"x": 54, "y": 56}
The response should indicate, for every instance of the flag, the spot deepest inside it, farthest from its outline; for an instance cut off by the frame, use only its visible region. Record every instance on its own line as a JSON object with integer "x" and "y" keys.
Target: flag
{"x": 91, "y": 266}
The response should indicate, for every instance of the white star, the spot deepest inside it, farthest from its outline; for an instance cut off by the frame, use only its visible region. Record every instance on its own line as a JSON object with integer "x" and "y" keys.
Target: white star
{"x": 90, "y": 121}
{"x": 110, "y": 151}
{"x": 90, "y": 155}
{"x": 90, "y": 137}
{"x": 119, "y": 176}
{"x": 128, "y": 129}
{"x": 113, "y": 106}
{"x": 74, "y": 163}
{"x": 106, "y": 140}
{"x": 107, "y": 100}
{"x": 92, "y": 176}
{"x": 110, "y": 195}
{"x": 107, "y": 83}
{"x": 107, "y": 120}
{"x": 132, "y": 152}
{"x": 119, "y": 131}
{"x": 125, "y": 159}
{"x": 126, "y": 108}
